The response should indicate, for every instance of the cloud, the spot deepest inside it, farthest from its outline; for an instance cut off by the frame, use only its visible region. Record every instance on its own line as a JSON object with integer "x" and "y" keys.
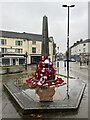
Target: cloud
{"x": 27, "y": 16}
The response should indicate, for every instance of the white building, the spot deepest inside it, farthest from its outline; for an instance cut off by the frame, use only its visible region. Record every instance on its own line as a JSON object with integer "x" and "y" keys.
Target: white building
{"x": 81, "y": 49}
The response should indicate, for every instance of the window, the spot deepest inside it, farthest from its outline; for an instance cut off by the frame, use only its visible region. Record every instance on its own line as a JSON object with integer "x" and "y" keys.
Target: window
{"x": 21, "y": 61}
{"x": 34, "y": 42}
{"x": 33, "y": 50}
{"x": 84, "y": 50}
{"x": 19, "y": 50}
{"x": 5, "y": 61}
{"x": 18, "y": 43}
{"x": 84, "y": 44}
{"x": 3, "y": 50}
{"x": 3, "y": 42}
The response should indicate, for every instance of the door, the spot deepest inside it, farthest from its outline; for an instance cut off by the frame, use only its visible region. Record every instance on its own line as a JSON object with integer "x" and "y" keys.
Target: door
{"x": 14, "y": 62}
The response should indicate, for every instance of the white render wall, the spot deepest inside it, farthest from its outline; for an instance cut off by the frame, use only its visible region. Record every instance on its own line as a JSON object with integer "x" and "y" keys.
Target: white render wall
{"x": 76, "y": 50}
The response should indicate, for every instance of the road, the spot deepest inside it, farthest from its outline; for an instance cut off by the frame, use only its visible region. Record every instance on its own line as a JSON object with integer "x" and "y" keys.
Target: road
{"x": 9, "y": 110}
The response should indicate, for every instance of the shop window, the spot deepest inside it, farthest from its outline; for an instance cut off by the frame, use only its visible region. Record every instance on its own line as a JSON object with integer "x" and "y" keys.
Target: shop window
{"x": 5, "y": 61}
{"x": 33, "y": 50}
{"x": 18, "y": 43}
{"x": 3, "y": 42}
{"x": 21, "y": 61}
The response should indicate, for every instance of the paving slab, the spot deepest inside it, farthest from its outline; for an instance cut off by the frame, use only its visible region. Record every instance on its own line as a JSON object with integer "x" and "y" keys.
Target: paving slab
{"x": 27, "y": 100}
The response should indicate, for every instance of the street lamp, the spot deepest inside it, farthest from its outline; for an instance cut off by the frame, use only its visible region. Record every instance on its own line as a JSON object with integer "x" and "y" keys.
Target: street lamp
{"x": 67, "y": 53}
{"x": 26, "y": 55}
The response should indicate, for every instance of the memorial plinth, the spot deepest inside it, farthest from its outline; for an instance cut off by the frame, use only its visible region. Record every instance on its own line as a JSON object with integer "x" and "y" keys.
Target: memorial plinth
{"x": 27, "y": 101}
{"x": 45, "y": 94}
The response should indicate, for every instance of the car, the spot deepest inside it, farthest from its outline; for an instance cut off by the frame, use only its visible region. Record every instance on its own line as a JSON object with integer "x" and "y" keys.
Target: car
{"x": 72, "y": 60}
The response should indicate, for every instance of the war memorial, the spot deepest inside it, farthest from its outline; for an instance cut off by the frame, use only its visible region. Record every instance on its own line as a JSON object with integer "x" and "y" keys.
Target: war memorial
{"x": 45, "y": 91}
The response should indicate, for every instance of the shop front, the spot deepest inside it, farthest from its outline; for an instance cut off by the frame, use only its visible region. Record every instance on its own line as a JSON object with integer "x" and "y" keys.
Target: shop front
{"x": 11, "y": 60}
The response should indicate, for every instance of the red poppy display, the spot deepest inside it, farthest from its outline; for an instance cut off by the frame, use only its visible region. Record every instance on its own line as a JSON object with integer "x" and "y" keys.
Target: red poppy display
{"x": 45, "y": 75}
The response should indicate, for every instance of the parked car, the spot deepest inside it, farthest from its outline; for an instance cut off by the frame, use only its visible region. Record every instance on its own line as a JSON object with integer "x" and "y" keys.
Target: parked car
{"x": 72, "y": 60}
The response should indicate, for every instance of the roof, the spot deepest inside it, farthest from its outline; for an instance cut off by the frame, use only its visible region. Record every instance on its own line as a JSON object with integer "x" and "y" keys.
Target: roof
{"x": 80, "y": 42}
{"x": 23, "y": 35}
{"x": 86, "y": 41}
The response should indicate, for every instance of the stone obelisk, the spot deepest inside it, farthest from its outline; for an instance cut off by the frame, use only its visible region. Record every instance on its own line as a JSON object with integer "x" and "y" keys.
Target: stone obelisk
{"x": 45, "y": 39}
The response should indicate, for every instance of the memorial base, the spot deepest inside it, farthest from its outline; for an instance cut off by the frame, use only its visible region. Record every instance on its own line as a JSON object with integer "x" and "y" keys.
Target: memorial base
{"x": 46, "y": 94}
{"x": 27, "y": 100}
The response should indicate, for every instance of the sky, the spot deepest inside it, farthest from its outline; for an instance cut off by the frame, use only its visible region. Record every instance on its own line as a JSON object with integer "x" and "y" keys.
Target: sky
{"x": 27, "y": 17}
{"x": 89, "y": 20}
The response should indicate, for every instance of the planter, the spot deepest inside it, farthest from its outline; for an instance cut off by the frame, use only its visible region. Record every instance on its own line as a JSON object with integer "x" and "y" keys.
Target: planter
{"x": 45, "y": 94}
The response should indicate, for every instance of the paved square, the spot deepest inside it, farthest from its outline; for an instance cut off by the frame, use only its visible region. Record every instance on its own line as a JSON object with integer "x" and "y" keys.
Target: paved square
{"x": 28, "y": 101}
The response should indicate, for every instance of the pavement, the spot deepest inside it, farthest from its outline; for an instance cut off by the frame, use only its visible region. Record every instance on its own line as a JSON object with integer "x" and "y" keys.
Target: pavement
{"x": 28, "y": 101}
{"x": 10, "y": 111}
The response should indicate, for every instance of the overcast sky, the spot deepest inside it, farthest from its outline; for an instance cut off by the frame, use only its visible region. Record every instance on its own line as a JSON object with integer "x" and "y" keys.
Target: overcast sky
{"x": 27, "y": 17}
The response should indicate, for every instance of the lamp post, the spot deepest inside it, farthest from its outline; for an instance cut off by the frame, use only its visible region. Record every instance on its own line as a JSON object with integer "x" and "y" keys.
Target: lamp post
{"x": 67, "y": 53}
{"x": 26, "y": 61}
